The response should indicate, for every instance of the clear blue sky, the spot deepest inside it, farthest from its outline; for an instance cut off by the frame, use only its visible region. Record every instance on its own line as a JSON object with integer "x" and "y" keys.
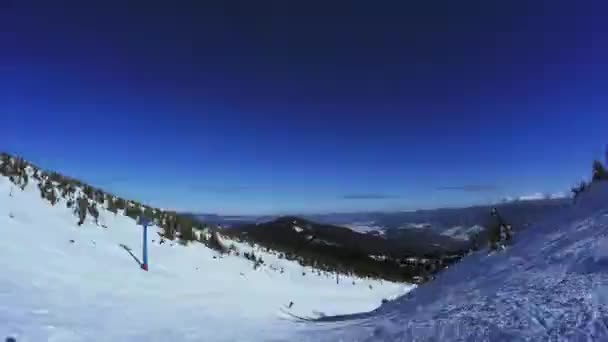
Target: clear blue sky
{"x": 247, "y": 107}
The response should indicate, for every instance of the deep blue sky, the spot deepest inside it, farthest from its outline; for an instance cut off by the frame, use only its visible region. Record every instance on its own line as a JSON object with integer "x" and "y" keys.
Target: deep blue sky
{"x": 273, "y": 107}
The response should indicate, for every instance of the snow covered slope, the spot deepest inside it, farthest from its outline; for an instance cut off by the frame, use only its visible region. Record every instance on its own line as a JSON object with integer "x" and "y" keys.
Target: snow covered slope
{"x": 62, "y": 282}
{"x": 550, "y": 285}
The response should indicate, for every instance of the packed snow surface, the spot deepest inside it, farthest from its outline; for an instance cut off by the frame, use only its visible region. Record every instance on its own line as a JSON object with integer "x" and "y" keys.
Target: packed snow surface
{"x": 61, "y": 282}
{"x": 551, "y": 284}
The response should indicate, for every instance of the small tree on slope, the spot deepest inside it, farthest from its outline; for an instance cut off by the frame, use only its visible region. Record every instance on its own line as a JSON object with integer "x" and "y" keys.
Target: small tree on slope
{"x": 599, "y": 172}
{"x": 82, "y": 209}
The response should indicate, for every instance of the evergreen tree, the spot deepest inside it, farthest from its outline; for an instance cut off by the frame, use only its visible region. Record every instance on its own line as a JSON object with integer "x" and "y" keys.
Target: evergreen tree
{"x": 83, "y": 205}
{"x": 99, "y": 197}
{"x": 186, "y": 234}
{"x": 133, "y": 211}
{"x": 599, "y": 172}
{"x": 149, "y": 214}
{"x": 51, "y": 194}
{"x": 88, "y": 191}
{"x": 92, "y": 208}
{"x": 169, "y": 227}
{"x": 120, "y": 203}
{"x": 25, "y": 181}
{"x": 111, "y": 204}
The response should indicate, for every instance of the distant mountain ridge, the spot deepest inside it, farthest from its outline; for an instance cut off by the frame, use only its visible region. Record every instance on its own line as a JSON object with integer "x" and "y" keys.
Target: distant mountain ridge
{"x": 444, "y": 221}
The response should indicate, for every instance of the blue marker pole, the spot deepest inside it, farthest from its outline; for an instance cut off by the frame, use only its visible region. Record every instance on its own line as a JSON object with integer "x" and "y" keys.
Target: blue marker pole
{"x": 144, "y": 265}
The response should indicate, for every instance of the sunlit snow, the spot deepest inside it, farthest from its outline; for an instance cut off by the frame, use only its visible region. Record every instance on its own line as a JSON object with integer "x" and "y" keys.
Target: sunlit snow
{"x": 61, "y": 282}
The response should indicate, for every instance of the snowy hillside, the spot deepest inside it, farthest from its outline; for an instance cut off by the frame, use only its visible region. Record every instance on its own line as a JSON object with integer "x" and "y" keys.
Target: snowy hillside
{"x": 550, "y": 285}
{"x": 64, "y": 282}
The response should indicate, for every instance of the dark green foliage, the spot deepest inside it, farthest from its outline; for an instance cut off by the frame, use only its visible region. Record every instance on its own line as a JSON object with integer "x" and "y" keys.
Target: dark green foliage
{"x": 44, "y": 175}
{"x": 173, "y": 224}
{"x": 47, "y": 192}
{"x": 120, "y": 203}
{"x": 52, "y": 184}
{"x": 55, "y": 177}
{"x": 493, "y": 232}
{"x": 599, "y": 172}
{"x": 99, "y": 196}
{"x": 4, "y": 158}
{"x": 88, "y": 191}
{"x": 133, "y": 211}
{"x": 151, "y": 214}
{"x": 170, "y": 230}
{"x": 111, "y": 204}
{"x": 186, "y": 233}
{"x": 63, "y": 190}
{"x": 25, "y": 181}
{"x": 15, "y": 169}
{"x": 83, "y": 206}
{"x": 92, "y": 208}
{"x": 169, "y": 225}
{"x": 52, "y": 195}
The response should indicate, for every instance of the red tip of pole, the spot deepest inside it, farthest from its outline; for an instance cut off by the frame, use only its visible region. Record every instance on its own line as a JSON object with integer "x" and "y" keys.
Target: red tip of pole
{"x": 144, "y": 267}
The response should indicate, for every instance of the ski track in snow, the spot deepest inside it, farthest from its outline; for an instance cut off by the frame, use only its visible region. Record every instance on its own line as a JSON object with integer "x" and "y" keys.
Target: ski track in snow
{"x": 93, "y": 290}
{"x": 550, "y": 285}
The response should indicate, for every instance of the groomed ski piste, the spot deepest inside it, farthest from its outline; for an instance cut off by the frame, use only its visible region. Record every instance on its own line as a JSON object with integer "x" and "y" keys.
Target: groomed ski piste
{"x": 64, "y": 282}
{"x": 551, "y": 284}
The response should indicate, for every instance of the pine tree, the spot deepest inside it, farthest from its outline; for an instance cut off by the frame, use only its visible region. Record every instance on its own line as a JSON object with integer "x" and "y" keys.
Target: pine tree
{"x": 51, "y": 195}
{"x": 133, "y": 211}
{"x": 99, "y": 197}
{"x": 93, "y": 212}
{"x": 110, "y": 204}
{"x": 186, "y": 234}
{"x": 120, "y": 204}
{"x": 149, "y": 214}
{"x": 88, "y": 191}
{"x": 599, "y": 172}
{"x": 25, "y": 181}
{"x": 83, "y": 205}
{"x": 169, "y": 227}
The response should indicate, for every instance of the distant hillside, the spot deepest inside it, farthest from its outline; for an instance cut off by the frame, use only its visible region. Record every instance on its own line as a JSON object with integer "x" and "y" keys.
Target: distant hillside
{"x": 230, "y": 220}
{"x": 518, "y": 213}
{"x": 403, "y": 258}
{"x": 334, "y": 249}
